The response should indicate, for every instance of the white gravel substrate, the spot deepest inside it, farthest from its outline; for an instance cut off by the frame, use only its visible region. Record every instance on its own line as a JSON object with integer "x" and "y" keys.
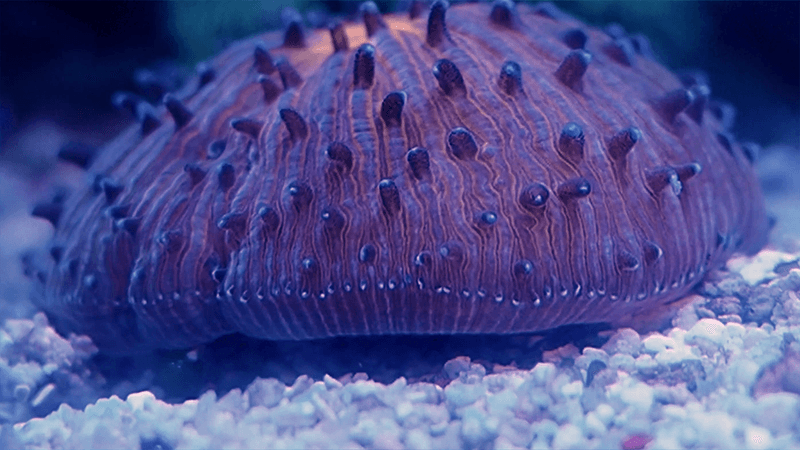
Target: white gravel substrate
{"x": 726, "y": 375}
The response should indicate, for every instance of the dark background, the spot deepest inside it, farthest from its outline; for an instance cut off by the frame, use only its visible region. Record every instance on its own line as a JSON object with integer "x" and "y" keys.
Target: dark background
{"x": 63, "y": 60}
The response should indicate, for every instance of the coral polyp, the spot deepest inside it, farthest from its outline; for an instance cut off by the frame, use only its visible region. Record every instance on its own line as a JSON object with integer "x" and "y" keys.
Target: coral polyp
{"x": 485, "y": 168}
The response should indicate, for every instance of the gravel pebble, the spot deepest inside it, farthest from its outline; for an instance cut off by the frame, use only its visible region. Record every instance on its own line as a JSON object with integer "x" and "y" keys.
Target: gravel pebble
{"x": 723, "y": 376}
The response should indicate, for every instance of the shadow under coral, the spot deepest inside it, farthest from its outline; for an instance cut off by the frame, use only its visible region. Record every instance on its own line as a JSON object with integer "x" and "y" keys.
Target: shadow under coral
{"x": 234, "y": 361}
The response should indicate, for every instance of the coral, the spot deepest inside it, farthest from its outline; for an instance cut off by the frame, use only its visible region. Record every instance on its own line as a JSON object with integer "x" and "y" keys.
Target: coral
{"x": 484, "y": 169}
